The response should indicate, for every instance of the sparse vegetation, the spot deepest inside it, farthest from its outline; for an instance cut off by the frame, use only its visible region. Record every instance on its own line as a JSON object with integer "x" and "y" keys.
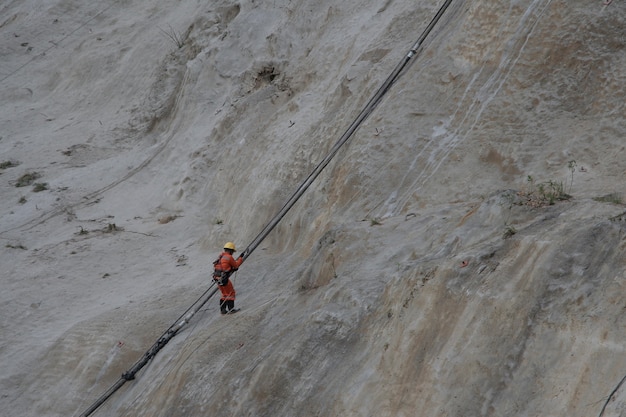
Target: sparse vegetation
{"x": 543, "y": 194}
{"x": 175, "y": 37}
{"x": 572, "y": 167}
{"x": 375, "y": 221}
{"x": 16, "y": 247}
{"x": 554, "y": 191}
{"x": 8, "y": 164}
{"x": 509, "y": 231}
{"x": 112, "y": 227}
{"x": 27, "y": 179}
{"x": 40, "y": 186}
{"x": 614, "y": 198}
{"x": 109, "y": 228}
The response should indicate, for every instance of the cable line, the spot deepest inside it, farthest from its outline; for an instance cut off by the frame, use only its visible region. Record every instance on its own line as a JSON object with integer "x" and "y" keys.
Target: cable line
{"x": 186, "y": 317}
{"x": 606, "y": 403}
{"x": 369, "y": 107}
{"x": 156, "y": 347}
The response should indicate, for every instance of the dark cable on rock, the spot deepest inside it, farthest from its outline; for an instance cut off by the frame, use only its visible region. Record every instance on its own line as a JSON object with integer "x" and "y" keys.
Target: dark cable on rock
{"x": 154, "y": 349}
{"x": 184, "y": 319}
{"x": 611, "y": 396}
{"x": 369, "y": 107}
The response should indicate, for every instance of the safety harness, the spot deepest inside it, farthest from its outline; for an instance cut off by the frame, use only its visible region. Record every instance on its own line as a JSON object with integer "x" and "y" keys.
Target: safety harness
{"x": 219, "y": 275}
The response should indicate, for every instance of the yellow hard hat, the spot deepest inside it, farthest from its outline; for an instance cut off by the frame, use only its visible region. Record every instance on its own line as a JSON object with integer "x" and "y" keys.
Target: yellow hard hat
{"x": 230, "y": 245}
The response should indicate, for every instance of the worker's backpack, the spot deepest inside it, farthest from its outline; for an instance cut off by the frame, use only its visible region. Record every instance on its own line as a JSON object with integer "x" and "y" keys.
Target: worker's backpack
{"x": 220, "y": 276}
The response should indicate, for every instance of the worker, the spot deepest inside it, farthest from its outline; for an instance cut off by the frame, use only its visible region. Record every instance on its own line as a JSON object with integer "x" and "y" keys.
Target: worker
{"x": 225, "y": 265}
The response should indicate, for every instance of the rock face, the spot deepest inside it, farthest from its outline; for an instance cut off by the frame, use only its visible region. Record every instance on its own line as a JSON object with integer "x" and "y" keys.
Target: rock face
{"x": 463, "y": 255}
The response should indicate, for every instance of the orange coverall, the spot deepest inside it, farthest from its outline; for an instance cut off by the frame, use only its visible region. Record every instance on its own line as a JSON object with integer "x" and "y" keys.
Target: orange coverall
{"x": 228, "y": 263}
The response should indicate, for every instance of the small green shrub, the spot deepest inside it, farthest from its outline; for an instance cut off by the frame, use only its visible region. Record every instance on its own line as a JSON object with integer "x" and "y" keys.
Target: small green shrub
{"x": 543, "y": 194}
{"x": 555, "y": 191}
{"x": 8, "y": 164}
{"x": 27, "y": 179}
{"x": 508, "y": 232}
{"x": 40, "y": 186}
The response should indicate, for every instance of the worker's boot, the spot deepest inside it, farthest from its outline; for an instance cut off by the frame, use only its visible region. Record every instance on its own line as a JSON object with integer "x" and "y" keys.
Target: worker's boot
{"x": 231, "y": 307}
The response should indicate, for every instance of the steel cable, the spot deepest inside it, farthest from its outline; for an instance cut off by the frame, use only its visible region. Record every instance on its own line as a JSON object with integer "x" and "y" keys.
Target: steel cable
{"x": 367, "y": 110}
{"x": 154, "y": 349}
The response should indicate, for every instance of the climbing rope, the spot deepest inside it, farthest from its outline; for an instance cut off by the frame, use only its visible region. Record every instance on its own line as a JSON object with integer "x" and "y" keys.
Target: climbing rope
{"x": 186, "y": 317}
